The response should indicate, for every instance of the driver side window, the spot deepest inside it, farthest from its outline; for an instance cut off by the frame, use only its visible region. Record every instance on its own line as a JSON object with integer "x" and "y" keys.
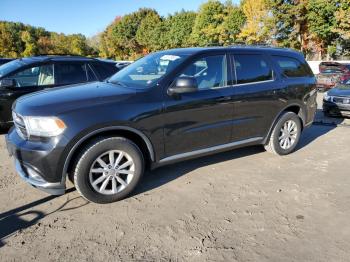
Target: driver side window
{"x": 210, "y": 72}
{"x": 35, "y": 76}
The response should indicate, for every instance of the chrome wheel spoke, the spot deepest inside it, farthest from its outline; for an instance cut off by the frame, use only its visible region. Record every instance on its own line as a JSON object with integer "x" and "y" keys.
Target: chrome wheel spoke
{"x": 99, "y": 180}
{"x": 121, "y": 181}
{"x": 126, "y": 172}
{"x": 104, "y": 184}
{"x": 97, "y": 170}
{"x": 119, "y": 158}
{"x": 114, "y": 185}
{"x": 111, "y": 157}
{"x": 126, "y": 164}
{"x": 101, "y": 162}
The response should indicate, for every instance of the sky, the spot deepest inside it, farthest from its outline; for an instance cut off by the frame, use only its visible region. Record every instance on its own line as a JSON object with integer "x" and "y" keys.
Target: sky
{"x": 87, "y": 17}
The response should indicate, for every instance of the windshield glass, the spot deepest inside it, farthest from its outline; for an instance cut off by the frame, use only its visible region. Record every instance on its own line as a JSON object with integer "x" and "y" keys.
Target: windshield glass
{"x": 146, "y": 71}
{"x": 10, "y": 67}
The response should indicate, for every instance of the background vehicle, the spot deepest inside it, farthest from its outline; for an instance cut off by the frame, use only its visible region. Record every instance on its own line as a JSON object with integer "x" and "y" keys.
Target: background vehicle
{"x": 332, "y": 73}
{"x": 5, "y": 60}
{"x": 27, "y": 75}
{"x": 166, "y": 107}
{"x": 336, "y": 102}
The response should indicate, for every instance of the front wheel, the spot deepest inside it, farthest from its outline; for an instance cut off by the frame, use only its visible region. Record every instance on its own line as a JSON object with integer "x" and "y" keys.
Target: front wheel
{"x": 285, "y": 135}
{"x": 108, "y": 170}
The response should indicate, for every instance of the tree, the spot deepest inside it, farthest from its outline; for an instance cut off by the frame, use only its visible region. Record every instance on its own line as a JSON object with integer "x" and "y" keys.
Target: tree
{"x": 322, "y": 23}
{"x": 289, "y": 23}
{"x": 233, "y": 22}
{"x": 255, "y": 30}
{"x": 178, "y": 29}
{"x": 149, "y": 35}
{"x": 208, "y": 26}
{"x": 124, "y": 32}
{"x": 342, "y": 18}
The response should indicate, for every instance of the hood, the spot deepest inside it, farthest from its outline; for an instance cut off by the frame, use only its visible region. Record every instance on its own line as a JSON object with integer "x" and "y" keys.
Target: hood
{"x": 63, "y": 99}
{"x": 340, "y": 90}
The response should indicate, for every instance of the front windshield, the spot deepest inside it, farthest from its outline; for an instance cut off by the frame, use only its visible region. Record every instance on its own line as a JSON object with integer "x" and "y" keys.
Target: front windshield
{"x": 10, "y": 67}
{"x": 146, "y": 71}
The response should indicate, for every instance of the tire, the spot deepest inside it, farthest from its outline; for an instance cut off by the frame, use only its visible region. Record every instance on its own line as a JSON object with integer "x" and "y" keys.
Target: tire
{"x": 97, "y": 180}
{"x": 274, "y": 142}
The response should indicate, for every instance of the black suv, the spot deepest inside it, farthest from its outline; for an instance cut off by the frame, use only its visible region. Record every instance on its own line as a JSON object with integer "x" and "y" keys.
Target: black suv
{"x": 168, "y": 106}
{"x": 27, "y": 75}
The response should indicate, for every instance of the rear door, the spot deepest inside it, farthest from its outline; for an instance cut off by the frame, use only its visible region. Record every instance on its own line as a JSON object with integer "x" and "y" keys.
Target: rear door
{"x": 255, "y": 99}
{"x": 29, "y": 79}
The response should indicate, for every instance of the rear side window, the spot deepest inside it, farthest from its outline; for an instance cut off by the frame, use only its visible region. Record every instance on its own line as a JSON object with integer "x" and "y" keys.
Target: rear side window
{"x": 292, "y": 67}
{"x": 70, "y": 73}
{"x": 104, "y": 70}
{"x": 252, "y": 68}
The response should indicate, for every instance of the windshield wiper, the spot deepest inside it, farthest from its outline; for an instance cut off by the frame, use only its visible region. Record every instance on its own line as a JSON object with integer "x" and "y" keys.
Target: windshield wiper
{"x": 117, "y": 83}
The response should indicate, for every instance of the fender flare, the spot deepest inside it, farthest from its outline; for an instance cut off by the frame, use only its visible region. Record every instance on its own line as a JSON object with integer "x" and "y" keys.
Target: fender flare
{"x": 278, "y": 116}
{"x": 101, "y": 130}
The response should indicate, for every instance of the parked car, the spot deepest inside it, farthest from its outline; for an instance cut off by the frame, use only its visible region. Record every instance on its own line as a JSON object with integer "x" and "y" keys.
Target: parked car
{"x": 27, "y": 75}
{"x": 336, "y": 102}
{"x": 5, "y": 60}
{"x": 331, "y": 73}
{"x": 200, "y": 101}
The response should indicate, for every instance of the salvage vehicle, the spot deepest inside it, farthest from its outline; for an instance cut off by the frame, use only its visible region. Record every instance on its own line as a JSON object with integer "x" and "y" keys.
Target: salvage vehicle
{"x": 331, "y": 73}
{"x": 165, "y": 107}
{"x": 5, "y": 60}
{"x": 27, "y": 75}
{"x": 336, "y": 102}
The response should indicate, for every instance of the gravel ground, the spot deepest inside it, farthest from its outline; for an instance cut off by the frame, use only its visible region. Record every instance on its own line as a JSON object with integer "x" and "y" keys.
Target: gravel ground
{"x": 242, "y": 205}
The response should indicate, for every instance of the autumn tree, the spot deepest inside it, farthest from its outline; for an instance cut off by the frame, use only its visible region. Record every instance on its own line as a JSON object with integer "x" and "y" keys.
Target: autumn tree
{"x": 255, "y": 30}
{"x": 342, "y": 18}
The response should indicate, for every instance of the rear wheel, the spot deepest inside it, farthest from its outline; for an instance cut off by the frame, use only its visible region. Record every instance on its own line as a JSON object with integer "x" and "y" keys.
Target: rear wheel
{"x": 286, "y": 134}
{"x": 108, "y": 170}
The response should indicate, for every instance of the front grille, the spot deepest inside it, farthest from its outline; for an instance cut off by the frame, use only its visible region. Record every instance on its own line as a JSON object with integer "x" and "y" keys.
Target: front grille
{"x": 18, "y": 120}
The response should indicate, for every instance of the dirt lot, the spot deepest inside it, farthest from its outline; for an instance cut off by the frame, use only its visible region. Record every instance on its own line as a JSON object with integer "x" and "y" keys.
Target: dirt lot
{"x": 243, "y": 205}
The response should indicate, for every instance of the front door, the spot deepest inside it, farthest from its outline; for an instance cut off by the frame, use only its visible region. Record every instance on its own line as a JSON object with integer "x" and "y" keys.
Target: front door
{"x": 200, "y": 119}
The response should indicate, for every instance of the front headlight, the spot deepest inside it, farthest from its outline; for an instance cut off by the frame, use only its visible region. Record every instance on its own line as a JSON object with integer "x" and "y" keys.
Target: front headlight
{"x": 327, "y": 97}
{"x": 44, "y": 126}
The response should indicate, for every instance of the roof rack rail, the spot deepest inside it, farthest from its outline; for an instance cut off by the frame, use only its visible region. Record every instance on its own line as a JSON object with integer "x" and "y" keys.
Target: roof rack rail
{"x": 58, "y": 54}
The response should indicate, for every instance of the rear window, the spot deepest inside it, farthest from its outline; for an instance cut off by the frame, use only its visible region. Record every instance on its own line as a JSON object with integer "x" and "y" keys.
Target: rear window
{"x": 292, "y": 67}
{"x": 70, "y": 73}
{"x": 252, "y": 68}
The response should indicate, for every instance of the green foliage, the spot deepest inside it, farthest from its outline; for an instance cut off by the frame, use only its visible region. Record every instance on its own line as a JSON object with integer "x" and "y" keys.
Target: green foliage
{"x": 18, "y": 40}
{"x": 313, "y": 26}
{"x": 178, "y": 29}
{"x": 321, "y": 19}
{"x": 208, "y": 27}
{"x": 234, "y": 21}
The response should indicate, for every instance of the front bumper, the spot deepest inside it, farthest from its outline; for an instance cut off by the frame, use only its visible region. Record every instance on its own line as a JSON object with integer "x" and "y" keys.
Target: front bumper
{"x": 336, "y": 109}
{"x": 36, "y": 181}
{"x": 36, "y": 163}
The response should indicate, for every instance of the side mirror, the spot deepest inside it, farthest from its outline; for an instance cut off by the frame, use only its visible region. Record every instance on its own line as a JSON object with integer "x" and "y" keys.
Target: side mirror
{"x": 7, "y": 83}
{"x": 184, "y": 84}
